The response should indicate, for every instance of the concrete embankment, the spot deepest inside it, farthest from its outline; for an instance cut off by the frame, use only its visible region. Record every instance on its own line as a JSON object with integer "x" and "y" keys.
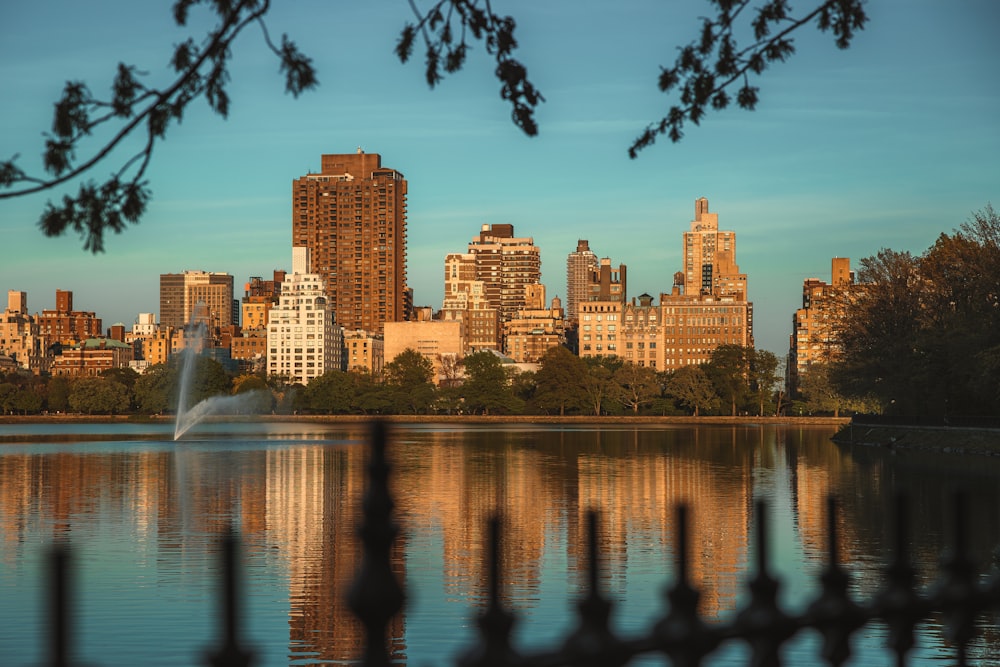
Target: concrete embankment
{"x": 946, "y": 439}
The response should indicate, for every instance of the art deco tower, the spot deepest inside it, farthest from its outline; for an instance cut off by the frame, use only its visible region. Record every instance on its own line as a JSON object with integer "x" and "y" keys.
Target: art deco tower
{"x": 352, "y": 217}
{"x": 710, "y": 257}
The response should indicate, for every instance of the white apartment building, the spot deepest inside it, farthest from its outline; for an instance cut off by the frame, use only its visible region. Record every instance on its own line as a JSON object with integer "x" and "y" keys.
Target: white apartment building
{"x": 302, "y": 340}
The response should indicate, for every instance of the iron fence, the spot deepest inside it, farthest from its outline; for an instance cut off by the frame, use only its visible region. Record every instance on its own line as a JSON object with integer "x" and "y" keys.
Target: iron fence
{"x": 682, "y": 637}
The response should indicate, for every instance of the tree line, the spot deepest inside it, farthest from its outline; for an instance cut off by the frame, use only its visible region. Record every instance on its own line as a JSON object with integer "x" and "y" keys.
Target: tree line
{"x": 736, "y": 381}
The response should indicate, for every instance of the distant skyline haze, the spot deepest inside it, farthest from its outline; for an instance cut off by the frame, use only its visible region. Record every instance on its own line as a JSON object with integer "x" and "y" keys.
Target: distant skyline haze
{"x": 887, "y": 144}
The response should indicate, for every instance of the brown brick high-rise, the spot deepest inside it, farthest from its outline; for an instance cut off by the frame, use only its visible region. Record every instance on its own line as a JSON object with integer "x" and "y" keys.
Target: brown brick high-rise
{"x": 352, "y": 216}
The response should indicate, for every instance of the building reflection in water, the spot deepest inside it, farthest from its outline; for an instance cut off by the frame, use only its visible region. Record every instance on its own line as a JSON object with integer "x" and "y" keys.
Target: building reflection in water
{"x": 297, "y": 505}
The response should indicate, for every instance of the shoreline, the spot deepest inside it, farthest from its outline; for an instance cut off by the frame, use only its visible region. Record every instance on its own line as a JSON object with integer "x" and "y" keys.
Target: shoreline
{"x": 425, "y": 419}
{"x": 941, "y": 439}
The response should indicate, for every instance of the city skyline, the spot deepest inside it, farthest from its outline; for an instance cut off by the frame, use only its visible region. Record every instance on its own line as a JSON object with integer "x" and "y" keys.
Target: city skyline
{"x": 887, "y": 144}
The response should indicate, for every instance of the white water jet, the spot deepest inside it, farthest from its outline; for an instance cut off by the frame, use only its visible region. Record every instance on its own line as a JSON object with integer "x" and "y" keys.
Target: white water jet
{"x": 213, "y": 405}
{"x": 216, "y": 405}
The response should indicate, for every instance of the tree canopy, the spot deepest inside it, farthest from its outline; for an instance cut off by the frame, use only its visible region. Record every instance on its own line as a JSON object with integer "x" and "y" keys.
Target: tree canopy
{"x": 718, "y": 66}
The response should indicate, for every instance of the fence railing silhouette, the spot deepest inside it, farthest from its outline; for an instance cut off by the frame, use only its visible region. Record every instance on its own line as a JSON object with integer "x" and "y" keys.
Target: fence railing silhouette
{"x": 682, "y": 637}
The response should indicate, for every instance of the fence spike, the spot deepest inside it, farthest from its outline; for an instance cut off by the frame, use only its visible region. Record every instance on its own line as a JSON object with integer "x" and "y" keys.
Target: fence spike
{"x": 763, "y": 624}
{"x": 898, "y": 603}
{"x": 495, "y": 624}
{"x": 833, "y": 613}
{"x": 376, "y": 595}
{"x": 59, "y": 601}
{"x": 592, "y": 642}
{"x": 230, "y": 653}
{"x": 957, "y": 591}
{"x": 682, "y": 634}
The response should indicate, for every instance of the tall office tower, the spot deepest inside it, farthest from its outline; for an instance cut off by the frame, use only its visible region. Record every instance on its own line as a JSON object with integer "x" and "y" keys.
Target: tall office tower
{"x": 302, "y": 340}
{"x": 816, "y": 325}
{"x": 579, "y": 265}
{"x": 352, "y": 217}
{"x": 710, "y": 257}
{"x": 180, "y": 294}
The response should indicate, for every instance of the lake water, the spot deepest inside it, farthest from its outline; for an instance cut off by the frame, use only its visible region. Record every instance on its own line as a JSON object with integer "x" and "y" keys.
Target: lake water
{"x": 144, "y": 516}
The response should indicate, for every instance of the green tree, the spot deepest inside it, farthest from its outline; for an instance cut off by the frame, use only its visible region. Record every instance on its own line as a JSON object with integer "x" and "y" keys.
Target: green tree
{"x": 409, "y": 378}
{"x": 879, "y": 332}
{"x": 728, "y": 371}
{"x": 692, "y": 389}
{"x": 764, "y": 378}
{"x": 330, "y": 393}
{"x": 57, "y": 394}
{"x": 560, "y": 382}
{"x": 155, "y": 388}
{"x": 8, "y": 397}
{"x": 638, "y": 386}
{"x": 486, "y": 388}
{"x": 28, "y": 401}
{"x": 97, "y": 395}
{"x": 601, "y": 385}
{"x": 710, "y": 72}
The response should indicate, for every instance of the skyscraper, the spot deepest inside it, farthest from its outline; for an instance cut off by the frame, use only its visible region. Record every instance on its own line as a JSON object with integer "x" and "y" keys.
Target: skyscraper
{"x": 352, "y": 217}
{"x": 579, "y": 265}
{"x": 710, "y": 257}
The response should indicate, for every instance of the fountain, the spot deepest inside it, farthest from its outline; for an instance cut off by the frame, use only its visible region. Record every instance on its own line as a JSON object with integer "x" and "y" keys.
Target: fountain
{"x": 213, "y": 405}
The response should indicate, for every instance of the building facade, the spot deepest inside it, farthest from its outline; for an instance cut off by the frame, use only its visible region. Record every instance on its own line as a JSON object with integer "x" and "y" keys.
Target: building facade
{"x": 91, "y": 357}
{"x": 364, "y": 351}
{"x": 68, "y": 326}
{"x": 579, "y": 266}
{"x": 815, "y": 325}
{"x": 352, "y": 217}
{"x": 485, "y": 286}
{"x": 181, "y": 294}
{"x": 21, "y": 340}
{"x": 536, "y": 329}
{"x": 302, "y": 340}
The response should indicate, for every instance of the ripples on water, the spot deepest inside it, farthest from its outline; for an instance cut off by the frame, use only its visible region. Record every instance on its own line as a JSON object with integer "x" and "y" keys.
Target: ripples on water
{"x": 145, "y": 516}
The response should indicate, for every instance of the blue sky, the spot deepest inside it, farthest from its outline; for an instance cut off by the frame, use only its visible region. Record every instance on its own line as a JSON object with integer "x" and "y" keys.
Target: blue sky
{"x": 887, "y": 144}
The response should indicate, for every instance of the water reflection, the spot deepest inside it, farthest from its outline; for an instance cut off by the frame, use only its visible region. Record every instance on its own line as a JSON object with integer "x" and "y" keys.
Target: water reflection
{"x": 146, "y": 516}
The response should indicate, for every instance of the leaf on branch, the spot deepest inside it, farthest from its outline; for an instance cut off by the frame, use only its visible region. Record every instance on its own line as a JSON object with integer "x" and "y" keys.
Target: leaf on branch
{"x": 297, "y": 68}
{"x": 71, "y": 115}
{"x": 124, "y": 91}
{"x": 58, "y": 155}
{"x": 404, "y": 47}
{"x": 181, "y": 8}
{"x": 184, "y": 55}
{"x": 95, "y": 209}
{"x": 713, "y": 62}
{"x": 10, "y": 173}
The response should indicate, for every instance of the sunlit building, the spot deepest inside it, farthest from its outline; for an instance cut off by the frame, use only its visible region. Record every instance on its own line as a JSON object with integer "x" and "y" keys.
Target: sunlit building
{"x": 21, "y": 342}
{"x": 66, "y": 325}
{"x": 706, "y": 307}
{"x": 207, "y": 295}
{"x": 352, "y": 217}
{"x": 536, "y": 329}
{"x": 814, "y": 326}
{"x": 579, "y": 265}
{"x": 303, "y": 342}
